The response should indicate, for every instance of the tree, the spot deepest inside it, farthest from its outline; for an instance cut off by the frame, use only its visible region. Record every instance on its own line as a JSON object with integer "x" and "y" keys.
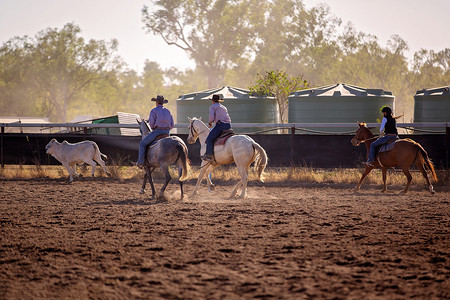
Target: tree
{"x": 57, "y": 66}
{"x": 280, "y": 85}
{"x": 215, "y": 33}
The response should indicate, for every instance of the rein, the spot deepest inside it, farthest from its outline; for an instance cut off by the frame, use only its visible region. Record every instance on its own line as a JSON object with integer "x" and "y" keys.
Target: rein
{"x": 372, "y": 138}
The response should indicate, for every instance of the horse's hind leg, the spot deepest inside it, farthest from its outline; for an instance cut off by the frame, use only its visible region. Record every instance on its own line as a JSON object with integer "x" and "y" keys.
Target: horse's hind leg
{"x": 408, "y": 178}
{"x": 383, "y": 172}
{"x": 150, "y": 180}
{"x": 180, "y": 172}
{"x": 244, "y": 175}
{"x": 165, "y": 170}
{"x": 235, "y": 189}
{"x": 425, "y": 175}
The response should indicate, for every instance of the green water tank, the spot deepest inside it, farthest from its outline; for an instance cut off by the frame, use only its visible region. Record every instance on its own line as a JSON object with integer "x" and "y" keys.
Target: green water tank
{"x": 338, "y": 103}
{"x": 432, "y": 105}
{"x": 242, "y": 107}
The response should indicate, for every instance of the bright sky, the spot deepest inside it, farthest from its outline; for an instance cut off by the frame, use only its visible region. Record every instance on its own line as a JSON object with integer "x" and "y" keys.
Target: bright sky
{"x": 422, "y": 24}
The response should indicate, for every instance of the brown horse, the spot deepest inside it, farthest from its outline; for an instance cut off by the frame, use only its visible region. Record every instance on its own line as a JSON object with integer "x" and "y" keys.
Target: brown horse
{"x": 405, "y": 153}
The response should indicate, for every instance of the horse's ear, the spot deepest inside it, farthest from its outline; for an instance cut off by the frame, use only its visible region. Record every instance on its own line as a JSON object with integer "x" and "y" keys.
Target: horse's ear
{"x": 200, "y": 118}
{"x": 190, "y": 120}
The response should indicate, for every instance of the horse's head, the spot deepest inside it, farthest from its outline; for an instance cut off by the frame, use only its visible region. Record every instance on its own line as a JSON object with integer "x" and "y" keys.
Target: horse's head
{"x": 144, "y": 127}
{"x": 196, "y": 127}
{"x": 363, "y": 133}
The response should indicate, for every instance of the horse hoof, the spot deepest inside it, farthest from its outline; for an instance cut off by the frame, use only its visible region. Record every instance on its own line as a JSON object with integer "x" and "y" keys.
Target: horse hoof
{"x": 142, "y": 192}
{"x": 212, "y": 187}
{"x": 383, "y": 191}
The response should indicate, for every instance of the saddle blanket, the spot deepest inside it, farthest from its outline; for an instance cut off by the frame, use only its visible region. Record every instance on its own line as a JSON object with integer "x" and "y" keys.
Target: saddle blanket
{"x": 387, "y": 147}
{"x": 224, "y": 136}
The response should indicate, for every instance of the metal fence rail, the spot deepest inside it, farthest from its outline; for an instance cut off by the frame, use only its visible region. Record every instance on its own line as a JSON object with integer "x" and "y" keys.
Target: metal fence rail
{"x": 321, "y": 150}
{"x": 237, "y": 125}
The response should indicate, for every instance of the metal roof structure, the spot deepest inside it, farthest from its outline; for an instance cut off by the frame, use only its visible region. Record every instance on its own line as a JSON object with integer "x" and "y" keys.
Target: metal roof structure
{"x": 225, "y": 92}
{"x": 340, "y": 89}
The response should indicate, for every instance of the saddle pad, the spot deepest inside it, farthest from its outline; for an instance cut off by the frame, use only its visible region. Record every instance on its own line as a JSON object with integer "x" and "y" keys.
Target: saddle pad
{"x": 387, "y": 147}
{"x": 226, "y": 134}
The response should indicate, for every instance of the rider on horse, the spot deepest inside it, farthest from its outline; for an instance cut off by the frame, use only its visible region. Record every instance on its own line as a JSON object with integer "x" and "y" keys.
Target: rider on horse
{"x": 161, "y": 122}
{"x": 389, "y": 127}
{"x": 217, "y": 114}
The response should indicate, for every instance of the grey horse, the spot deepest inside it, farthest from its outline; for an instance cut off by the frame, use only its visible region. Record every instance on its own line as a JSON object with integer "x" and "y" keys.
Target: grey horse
{"x": 163, "y": 153}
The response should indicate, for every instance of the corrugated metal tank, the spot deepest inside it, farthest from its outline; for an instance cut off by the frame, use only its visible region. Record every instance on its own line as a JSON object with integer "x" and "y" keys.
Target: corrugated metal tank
{"x": 432, "y": 105}
{"x": 242, "y": 107}
{"x": 338, "y": 103}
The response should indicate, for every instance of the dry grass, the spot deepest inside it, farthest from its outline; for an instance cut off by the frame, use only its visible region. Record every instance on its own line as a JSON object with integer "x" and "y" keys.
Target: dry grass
{"x": 225, "y": 173}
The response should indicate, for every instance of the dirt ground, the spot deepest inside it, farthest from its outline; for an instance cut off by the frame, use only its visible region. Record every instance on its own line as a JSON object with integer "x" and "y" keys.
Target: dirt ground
{"x": 101, "y": 239}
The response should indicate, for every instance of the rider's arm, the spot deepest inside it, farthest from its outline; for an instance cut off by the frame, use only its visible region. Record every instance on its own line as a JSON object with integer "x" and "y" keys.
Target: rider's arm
{"x": 212, "y": 115}
{"x": 152, "y": 119}
{"x": 383, "y": 123}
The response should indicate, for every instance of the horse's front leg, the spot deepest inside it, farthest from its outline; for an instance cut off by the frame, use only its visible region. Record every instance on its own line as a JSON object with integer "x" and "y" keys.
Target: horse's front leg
{"x": 203, "y": 168}
{"x": 211, "y": 186}
{"x": 408, "y": 178}
{"x": 144, "y": 183}
{"x": 366, "y": 172}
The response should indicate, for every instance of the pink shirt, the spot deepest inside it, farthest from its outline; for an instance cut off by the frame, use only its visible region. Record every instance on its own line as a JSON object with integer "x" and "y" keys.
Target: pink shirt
{"x": 160, "y": 117}
{"x": 218, "y": 112}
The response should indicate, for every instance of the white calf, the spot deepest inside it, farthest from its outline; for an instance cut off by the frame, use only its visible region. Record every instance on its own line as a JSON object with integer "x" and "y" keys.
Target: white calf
{"x": 72, "y": 154}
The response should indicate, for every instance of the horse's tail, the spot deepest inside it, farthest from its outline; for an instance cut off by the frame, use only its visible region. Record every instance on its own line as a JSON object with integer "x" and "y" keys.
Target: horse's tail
{"x": 427, "y": 160}
{"x": 260, "y": 161}
{"x": 183, "y": 155}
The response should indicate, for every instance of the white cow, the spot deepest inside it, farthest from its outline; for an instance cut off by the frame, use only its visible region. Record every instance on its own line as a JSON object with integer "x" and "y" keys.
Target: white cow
{"x": 72, "y": 154}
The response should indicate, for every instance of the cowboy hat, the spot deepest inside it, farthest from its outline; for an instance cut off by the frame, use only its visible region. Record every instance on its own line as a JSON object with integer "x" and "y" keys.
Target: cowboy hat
{"x": 160, "y": 99}
{"x": 216, "y": 98}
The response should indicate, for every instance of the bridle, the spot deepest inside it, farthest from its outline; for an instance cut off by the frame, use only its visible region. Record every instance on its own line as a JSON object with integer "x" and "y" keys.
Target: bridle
{"x": 192, "y": 130}
{"x": 365, "y": 140}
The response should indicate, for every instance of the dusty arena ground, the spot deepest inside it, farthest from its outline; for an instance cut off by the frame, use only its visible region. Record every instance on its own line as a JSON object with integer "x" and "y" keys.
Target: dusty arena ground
{"x": 101, "y": 239}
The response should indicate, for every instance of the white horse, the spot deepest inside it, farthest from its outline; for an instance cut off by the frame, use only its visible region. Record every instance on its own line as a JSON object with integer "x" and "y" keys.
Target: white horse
{"x": 167, "y": 151}
{"x": 239, "y": 149}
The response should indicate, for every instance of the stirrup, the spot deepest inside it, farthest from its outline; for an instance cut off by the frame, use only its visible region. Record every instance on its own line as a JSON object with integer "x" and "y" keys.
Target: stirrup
{"x": 207, "y": 157}
{"x": 369, "y": 164}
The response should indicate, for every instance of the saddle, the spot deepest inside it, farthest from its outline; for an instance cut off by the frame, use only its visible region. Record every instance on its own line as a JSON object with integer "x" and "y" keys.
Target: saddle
{"x": 159, "y": 137}
{"x": 387, "y": 146}
{"x": 224, "y": 136}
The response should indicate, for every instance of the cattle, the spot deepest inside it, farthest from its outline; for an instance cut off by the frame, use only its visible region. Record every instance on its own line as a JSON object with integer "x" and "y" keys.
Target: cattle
{"x": 72, "y": 154}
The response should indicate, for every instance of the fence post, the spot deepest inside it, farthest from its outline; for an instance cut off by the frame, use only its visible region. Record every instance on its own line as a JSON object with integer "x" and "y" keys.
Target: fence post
{"x": 1, "y": 146}
{"x": 447, "y": 142}
{"x": 292, "y": 145}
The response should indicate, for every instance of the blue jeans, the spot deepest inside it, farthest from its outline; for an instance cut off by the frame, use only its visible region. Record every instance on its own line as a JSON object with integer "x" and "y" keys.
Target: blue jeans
{"x": 380, "y": 141}
{"x": 147, "y": 141}
{"x": 214, "y": 134}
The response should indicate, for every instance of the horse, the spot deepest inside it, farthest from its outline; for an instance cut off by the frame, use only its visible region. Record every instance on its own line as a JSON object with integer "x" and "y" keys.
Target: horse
{"x": 404, "y": 154}
{"x": 163, "y": 153}
{"x": 239, "y": 149}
